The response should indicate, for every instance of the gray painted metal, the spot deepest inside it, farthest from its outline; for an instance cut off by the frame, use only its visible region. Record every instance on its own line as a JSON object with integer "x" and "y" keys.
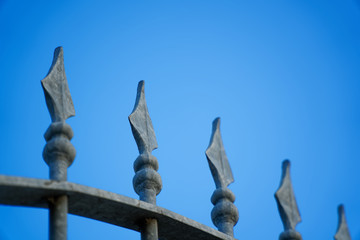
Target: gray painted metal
{"x": 141, "y": 215}
{"x": 58, "y": 209}
{"x": 141, "y": 124}
{"x": 58, "y": 153}
{"x": 342, "y": 232}
{"x": 104, "y": 206}
{"x": 286, "y": 202}
{"x": 147, "y": 181}
{"x": 57, "y": 94}
{"x": 224, "y": 214}
{"x": 217, "y": 159}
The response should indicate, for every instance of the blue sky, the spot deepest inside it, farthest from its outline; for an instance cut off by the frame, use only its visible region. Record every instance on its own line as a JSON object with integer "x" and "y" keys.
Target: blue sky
{"x": 282, "y": 75}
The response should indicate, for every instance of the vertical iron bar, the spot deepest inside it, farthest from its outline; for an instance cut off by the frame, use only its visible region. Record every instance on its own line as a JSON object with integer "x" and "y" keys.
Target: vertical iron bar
{"x": 58, "y": 207}
{"x": 58, "y": 153}
{"x": 149, "y": 230}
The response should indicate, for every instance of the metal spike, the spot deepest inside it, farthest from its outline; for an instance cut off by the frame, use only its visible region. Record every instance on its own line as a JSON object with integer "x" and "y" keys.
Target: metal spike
{"x": 342, "y": 232}
{"x": 217, "y": 159}
{"x": 56, "y": 89}
{"x": 141, "y": 124}
{"x": 286, "y": 201}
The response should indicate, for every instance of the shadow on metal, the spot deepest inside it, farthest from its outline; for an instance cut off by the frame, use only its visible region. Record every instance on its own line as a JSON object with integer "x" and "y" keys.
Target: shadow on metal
{"x": 103, "y": 206}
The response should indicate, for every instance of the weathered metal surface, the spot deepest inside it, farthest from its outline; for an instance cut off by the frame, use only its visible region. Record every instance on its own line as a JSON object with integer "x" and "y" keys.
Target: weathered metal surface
{"x": 58, "y": 209}
{"x": 104, "y": 206}
{"x": 216, "y": 156}
{"x": 58, "y": 152}
{"x": 144, "y": 216}
{"x": 287, "y": 205}
{"x": 342, "y": 232}
{"x": 149, "y": 229}
{"x": 224, "y": 214}
{"x": 141, "y": 124}
{"x": 147, "y": 181}
{"x": 56, "y": 89}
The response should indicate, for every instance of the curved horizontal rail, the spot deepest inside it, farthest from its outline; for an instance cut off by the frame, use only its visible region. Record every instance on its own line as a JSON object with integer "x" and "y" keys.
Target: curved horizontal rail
{"x": 103, "y": 206}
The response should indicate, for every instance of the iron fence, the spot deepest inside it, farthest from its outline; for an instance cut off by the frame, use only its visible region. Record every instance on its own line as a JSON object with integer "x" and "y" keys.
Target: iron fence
{"x": 153, "y": 222}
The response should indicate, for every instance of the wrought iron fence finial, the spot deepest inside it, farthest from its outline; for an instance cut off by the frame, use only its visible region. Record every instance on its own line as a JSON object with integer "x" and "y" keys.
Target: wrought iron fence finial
{"x": 147, "y": 181}
{"x": 56, "y": 89}
{"x": 141, "y": 124}
{"x": 58, "y": 152}
{"x": 224, "y": 214}
{"x": 288, "y": 209}
{"x": 216, "y": 156}
{"x": 342, "y": 232}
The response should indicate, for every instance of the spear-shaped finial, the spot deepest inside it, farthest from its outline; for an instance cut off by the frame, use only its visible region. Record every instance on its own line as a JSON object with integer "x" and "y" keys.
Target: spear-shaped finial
{"x": 218, "y": 161}
{"x": 141, "y": 124}
{"x": 342, "y": 232}
{"x": 224, "y": 214}
{"x": 58, "y": 153}
{"x": 287, "y": 205}
{"x": 56, "y": 89}
{"x": 147, "y": 181}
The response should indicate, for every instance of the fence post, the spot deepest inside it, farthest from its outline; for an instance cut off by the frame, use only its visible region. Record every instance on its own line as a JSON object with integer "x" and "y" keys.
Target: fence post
{"x": 147, "y": 182}
{"x": 58, "y": 152}
{"x": 224, "y": 214}
{"x": 287, "y": 206}
{"x": 342, "y": 232}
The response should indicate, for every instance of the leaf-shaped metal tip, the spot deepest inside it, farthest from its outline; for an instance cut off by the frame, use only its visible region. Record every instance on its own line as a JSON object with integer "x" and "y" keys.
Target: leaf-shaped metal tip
{"x": 217, "y": 159}
{"x": 342, "y": 232}
{"x": 141, "y": 124}
{"x": 56, "y": 89}
{"x": 286, "y": 201}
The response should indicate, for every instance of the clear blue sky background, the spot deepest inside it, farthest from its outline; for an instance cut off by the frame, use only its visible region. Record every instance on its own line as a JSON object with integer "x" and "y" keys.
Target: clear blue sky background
{"x": 282, "y": 75}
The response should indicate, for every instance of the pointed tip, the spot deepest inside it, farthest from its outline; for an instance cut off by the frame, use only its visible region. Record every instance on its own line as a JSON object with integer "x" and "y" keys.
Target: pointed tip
{"x": 58, "y": 58}
{"x": 59, "y": 48}
{"x": 342, "y": 232}
{"x": 217, "y": 159}
{"x": 56, "y": 89}
{"x": 140, "y": 96}
{"x": 58, "y": 52}
{"x": 285, "y": 169}
{"x": 285, "y": 198}
{"x": 286, "y": 163}
{"x": 341, "y": 210}
{"x": 141, "y": 86}
{"x": 140, "y": 122}
{"x": 215, "y": 128}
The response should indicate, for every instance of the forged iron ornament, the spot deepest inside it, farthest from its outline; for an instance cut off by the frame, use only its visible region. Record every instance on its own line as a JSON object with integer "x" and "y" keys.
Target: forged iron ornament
{"x": 224, "y": 214}
{"x": 147, "y": 182}
{"x": 154, "y": 222}
{"x": 58, "y": 152}
{"x": 141, "y": 124}
{"x": 286, "y": 202}
{"x": 56, "y": 89}
{"x": 342, "y": 232}
{"x": 216, "y": 156}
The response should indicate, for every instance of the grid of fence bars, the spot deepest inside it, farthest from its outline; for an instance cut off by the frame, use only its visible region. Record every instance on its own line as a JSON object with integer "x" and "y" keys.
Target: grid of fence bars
{"x": 153, "y": 222}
